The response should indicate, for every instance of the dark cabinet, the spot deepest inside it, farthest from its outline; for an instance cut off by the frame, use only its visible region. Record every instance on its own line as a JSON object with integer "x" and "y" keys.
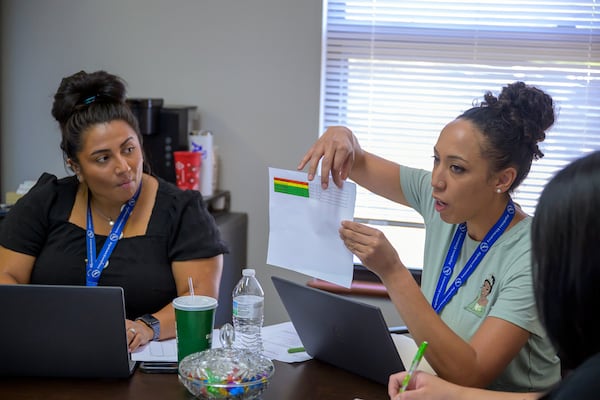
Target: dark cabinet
{"x": 234, "y": 231}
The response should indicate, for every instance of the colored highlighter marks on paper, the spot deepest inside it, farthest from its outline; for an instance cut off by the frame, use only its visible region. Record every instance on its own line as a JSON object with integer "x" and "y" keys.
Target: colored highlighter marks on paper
{"x": 288, "y": 186}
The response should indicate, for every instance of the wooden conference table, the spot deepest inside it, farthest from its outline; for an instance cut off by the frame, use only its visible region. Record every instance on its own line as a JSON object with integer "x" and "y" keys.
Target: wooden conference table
{"x": 309, "y": 380}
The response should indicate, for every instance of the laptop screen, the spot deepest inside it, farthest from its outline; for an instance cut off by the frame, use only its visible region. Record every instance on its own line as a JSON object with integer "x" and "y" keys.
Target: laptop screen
{"x": 63, "y": 331}
{"x": 340, "y": 331}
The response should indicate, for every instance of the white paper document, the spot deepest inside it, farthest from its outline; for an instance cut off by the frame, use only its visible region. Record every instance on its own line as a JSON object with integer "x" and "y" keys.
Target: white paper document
{"x": 407, "y": 348}
{"x": 304, "y": 221}
{"x": 277, "y": 339}
{"x": 165, "y": 351}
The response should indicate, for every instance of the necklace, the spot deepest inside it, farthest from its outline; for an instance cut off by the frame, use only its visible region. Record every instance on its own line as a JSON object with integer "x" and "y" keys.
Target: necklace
{"x": 111, "y": 221}
{"x": 96, "y": 263}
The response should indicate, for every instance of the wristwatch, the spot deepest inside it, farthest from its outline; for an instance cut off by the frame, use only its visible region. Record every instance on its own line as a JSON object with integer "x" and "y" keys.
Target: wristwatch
{"x": 152, "y": 322}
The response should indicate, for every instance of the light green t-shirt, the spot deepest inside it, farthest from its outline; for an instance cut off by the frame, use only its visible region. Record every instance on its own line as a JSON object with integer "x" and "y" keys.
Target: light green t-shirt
{"x": 501, "y": 286}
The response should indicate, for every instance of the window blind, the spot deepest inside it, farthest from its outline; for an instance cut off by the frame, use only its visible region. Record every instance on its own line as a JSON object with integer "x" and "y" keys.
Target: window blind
{"x": 396, "y": 72}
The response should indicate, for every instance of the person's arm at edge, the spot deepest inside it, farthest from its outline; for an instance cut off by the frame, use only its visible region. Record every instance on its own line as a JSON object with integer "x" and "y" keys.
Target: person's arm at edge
{"x": 425, "y": 386}
{"x": 15, "y": 268}
{"x": 206, "y": 277}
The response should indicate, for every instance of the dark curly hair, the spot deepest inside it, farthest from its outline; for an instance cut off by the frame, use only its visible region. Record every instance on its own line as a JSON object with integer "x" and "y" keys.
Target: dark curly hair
{"x": 513, "y": 124}
{"x": 86, "y": 99}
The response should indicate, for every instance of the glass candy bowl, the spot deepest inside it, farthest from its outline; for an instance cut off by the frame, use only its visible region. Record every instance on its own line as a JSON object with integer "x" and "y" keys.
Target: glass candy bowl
{"x": 226, "y": 373}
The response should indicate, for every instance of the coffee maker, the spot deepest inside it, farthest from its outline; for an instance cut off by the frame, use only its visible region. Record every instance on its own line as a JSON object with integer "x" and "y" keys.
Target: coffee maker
{"x": 164, "y": 129}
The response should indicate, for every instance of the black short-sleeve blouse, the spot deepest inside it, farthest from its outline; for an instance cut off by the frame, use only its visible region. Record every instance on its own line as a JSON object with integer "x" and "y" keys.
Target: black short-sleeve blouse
{"x": 180, "y": 229}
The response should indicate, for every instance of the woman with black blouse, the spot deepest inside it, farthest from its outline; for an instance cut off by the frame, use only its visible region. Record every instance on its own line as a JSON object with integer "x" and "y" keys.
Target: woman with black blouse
{"x": 113, "y": 223}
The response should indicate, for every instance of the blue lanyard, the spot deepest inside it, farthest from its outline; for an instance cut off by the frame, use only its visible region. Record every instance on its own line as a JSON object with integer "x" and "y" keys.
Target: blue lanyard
{"x": 94, "y": 266}
{"x": 443, "y": 294}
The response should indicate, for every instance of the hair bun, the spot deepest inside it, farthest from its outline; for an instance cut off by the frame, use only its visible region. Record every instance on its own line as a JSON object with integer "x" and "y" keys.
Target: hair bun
{"x": 527, "y": 108}
{"x": 81, "y": 89}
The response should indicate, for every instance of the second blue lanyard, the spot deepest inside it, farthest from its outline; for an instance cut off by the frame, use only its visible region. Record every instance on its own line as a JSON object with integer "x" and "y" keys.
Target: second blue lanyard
{"x": 443, "y": 294}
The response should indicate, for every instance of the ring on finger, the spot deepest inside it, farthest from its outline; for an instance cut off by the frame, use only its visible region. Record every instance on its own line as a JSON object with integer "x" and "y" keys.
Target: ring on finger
{"x": 132, "y": 330}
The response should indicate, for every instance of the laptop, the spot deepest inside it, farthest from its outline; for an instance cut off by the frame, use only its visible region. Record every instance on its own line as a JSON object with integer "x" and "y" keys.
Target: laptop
{"x": 345, "y": 333}
{"x": 63, "y": 331}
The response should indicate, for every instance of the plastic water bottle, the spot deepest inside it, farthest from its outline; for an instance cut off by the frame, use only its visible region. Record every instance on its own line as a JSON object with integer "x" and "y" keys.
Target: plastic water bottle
{"x": 248, "y": 312}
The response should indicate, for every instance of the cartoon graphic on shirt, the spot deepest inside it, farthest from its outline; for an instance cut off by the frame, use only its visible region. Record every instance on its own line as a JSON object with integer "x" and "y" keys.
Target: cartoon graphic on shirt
{"x": 480, "y": 303}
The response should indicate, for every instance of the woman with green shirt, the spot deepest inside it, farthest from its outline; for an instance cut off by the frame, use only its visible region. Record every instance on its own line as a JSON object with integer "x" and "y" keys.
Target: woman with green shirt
{"x": 566, "y": 270}
{"x": 482, "y": 336}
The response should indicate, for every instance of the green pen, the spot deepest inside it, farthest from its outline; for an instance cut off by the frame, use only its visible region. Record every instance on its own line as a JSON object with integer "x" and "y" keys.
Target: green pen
{"x": 413, "y": 366}
{"x": 296, "y": 350}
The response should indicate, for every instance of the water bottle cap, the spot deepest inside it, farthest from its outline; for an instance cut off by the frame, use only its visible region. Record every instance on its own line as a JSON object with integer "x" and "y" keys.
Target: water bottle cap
{"x": 248, "y": 272}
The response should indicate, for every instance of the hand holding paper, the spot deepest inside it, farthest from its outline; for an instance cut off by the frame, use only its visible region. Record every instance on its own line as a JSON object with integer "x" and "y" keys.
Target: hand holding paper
{"x": 304, "y": 220}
